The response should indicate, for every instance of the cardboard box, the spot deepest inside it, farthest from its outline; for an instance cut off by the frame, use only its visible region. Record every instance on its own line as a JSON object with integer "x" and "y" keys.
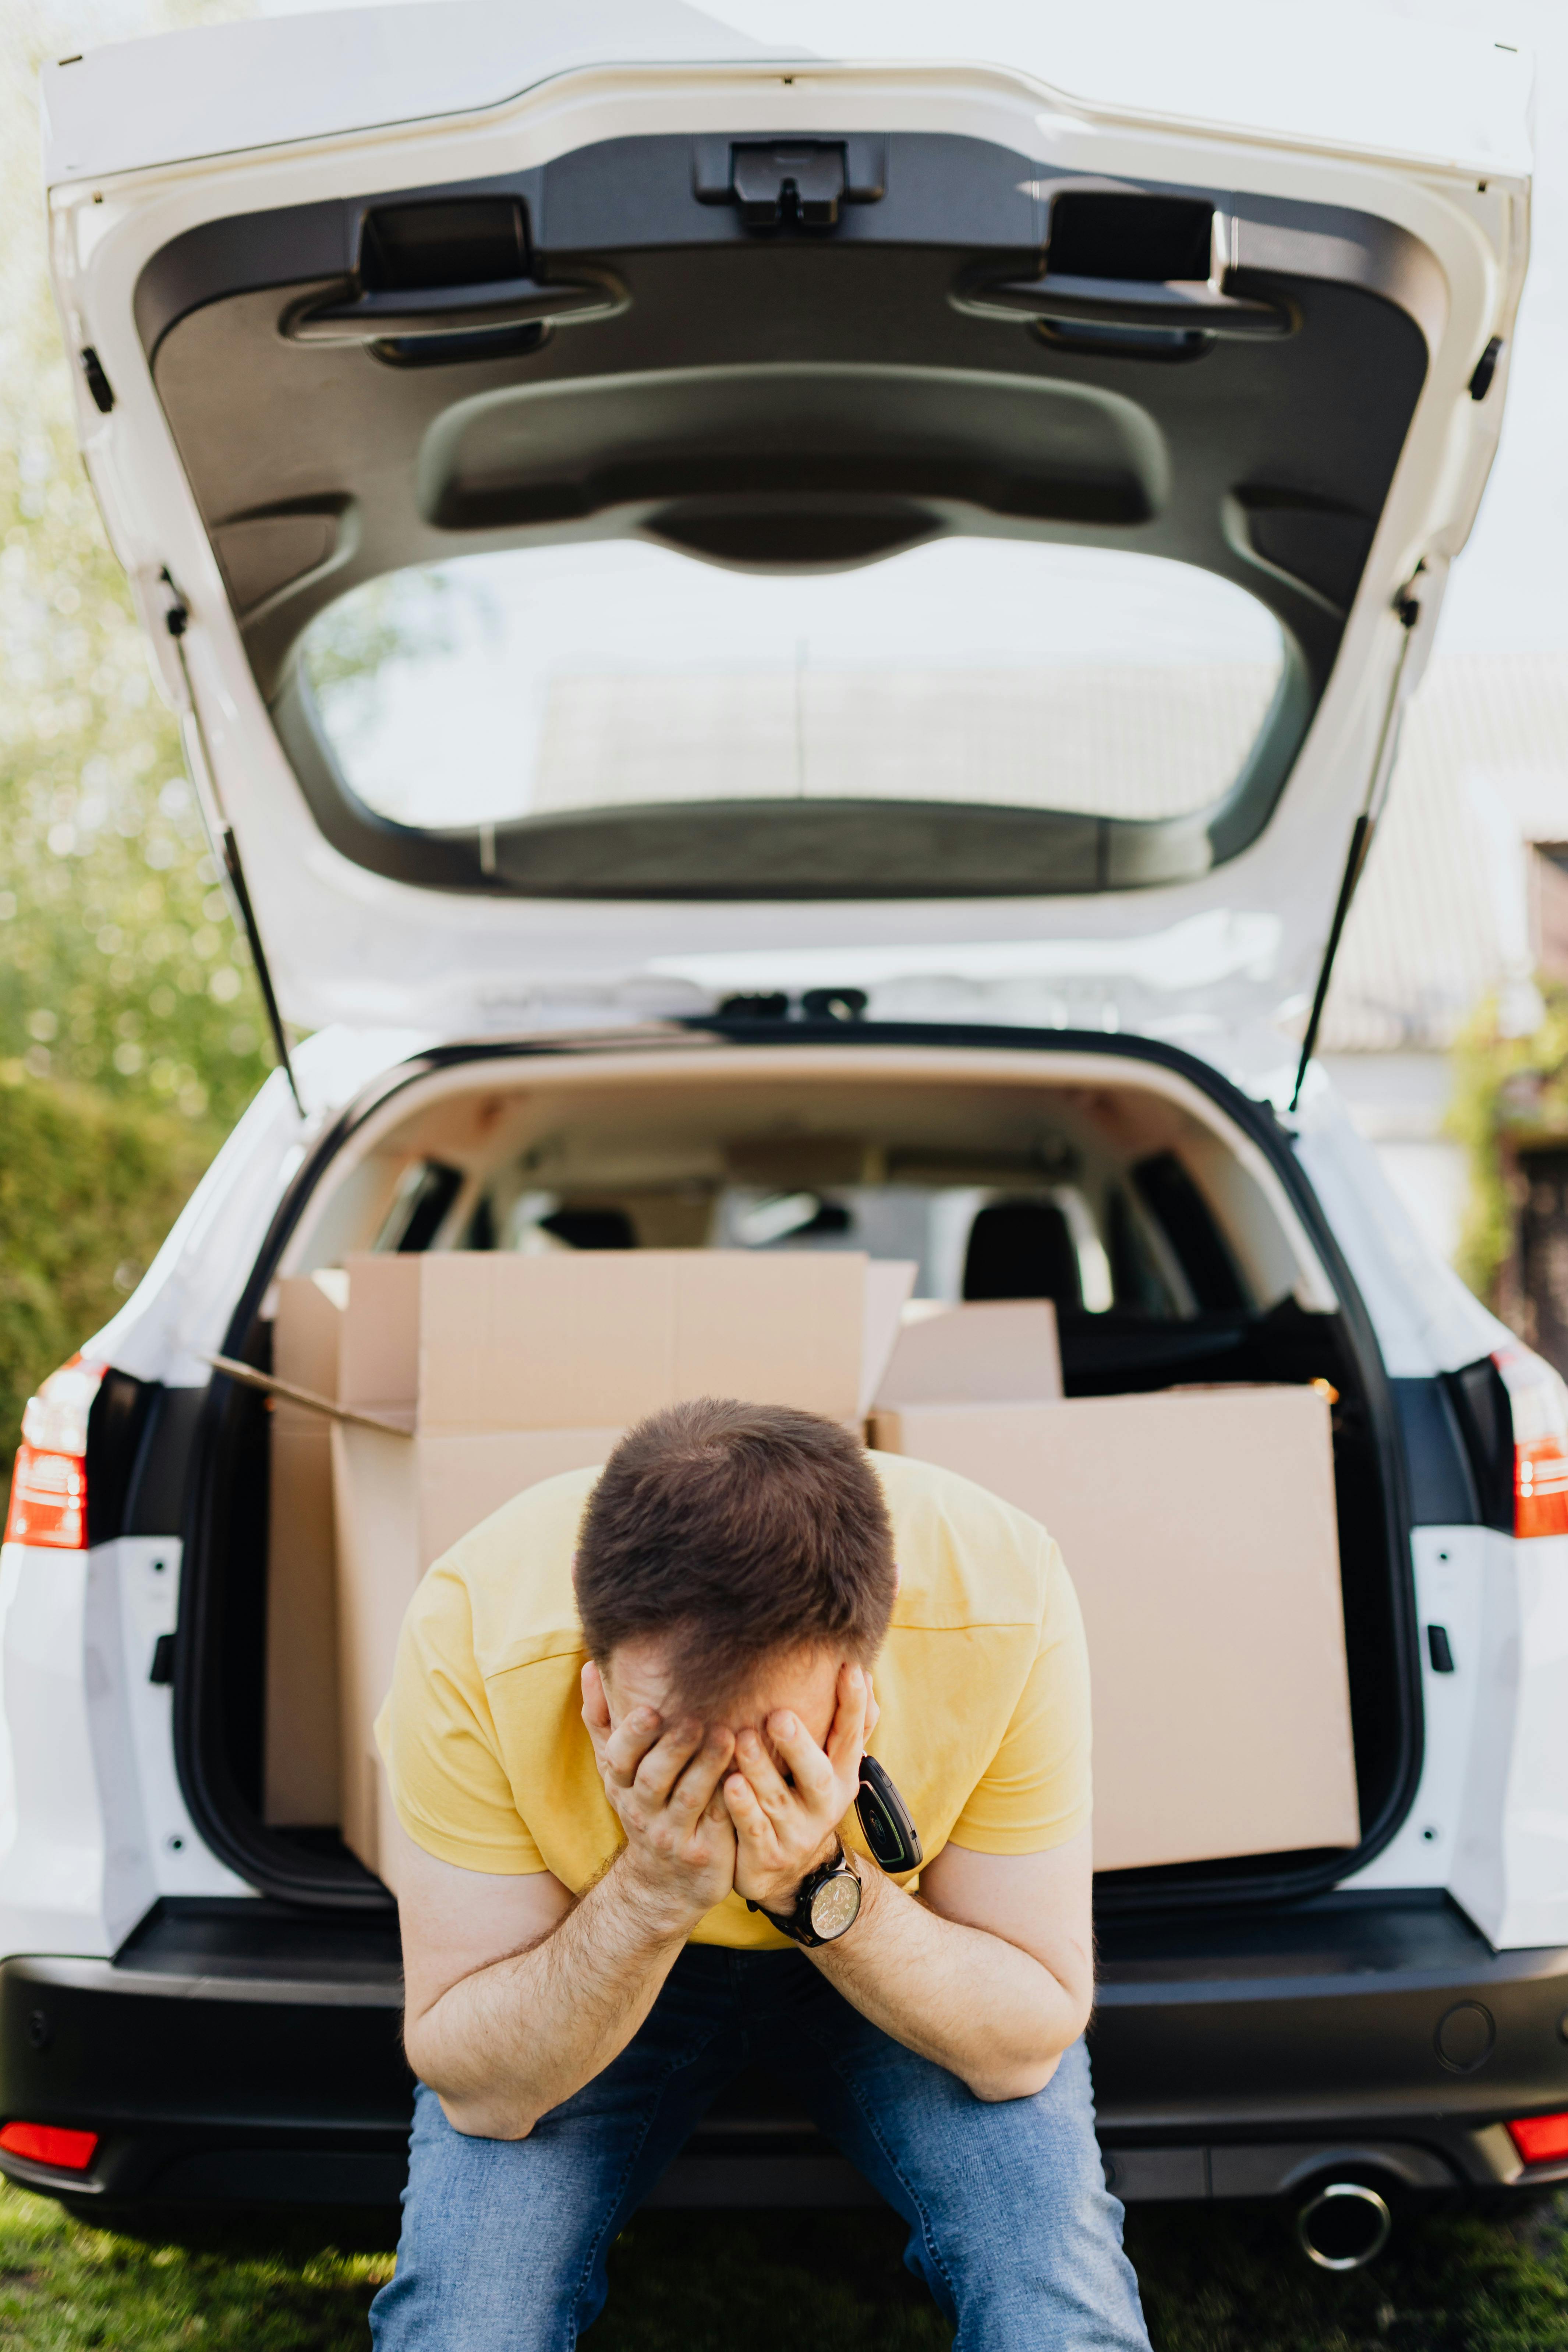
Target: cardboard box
{"x": 505, "y": 1370}
{"x": 300, "y": 1770}
{"x": 401, "y": 1503}
{"x": 1199, "y": 1529}
{"x": 1002, "y": 1351}
{"x": 595, "y": 1339}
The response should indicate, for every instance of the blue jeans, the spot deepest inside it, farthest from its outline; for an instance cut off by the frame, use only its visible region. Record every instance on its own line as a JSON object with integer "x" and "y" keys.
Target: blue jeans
{"x": 1011, "y": 2225}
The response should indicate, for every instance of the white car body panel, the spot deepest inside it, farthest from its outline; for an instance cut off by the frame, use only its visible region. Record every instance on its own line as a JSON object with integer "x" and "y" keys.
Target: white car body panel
{"x": 146, "y": 1571}
{"x": 1450, "y": 1565}
{"x": 1510, "y": 1872}
{"x": 93, "y": 1828}
{"x": 1341, "y": 78}
{"x": 54, "y": 1840}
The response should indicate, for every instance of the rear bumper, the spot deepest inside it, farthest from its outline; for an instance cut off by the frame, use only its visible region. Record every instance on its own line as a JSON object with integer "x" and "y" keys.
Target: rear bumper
{"x": 1361, "y": 2033}
{"x": 210, "y": 2086}
{"x": 234, "y": 2054}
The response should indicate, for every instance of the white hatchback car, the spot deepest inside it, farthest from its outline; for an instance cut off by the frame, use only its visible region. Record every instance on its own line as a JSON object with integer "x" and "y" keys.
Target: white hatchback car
{"x": 791, "y": 638}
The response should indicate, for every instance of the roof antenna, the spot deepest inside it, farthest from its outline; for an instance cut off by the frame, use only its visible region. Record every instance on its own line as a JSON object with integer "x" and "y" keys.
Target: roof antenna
{"x": 204, "y": 781}
{"x": 1408, "y": 607}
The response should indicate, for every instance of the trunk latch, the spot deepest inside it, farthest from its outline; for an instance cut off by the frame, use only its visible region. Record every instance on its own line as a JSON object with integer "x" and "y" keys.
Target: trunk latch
{"x": 773, "y": 185}
{"x": 789, "y": 183}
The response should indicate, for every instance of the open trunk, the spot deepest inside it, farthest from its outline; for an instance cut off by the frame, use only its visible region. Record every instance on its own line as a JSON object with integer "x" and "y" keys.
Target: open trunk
{"x": 1161, "y": 1212}
{"x": 877, "y": 519}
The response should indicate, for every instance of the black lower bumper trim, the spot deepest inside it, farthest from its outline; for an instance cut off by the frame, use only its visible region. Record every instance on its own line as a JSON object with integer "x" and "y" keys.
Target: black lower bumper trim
{"x": 233, "y": 2056}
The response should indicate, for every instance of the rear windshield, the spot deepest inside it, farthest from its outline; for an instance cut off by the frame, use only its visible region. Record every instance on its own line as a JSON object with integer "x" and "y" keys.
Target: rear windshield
{"x": 618, "y": 675}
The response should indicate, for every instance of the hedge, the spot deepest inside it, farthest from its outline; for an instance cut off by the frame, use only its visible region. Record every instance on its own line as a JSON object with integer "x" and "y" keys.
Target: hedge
{"x": 89, "y": 1187}
{"x": 1509, "y": 1090}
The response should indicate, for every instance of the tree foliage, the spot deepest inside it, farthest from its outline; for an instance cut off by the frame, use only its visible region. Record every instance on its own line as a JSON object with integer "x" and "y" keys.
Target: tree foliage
{"x": 119, "y": 963}
{"x": 1507, "y": 1090}
{"x": 89, "y": 1187}
{"x": 130, "y": 1030}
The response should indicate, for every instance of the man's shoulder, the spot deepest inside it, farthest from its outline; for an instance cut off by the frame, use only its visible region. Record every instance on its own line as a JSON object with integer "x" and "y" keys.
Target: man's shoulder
{"x": 514, "y": 1572}
{"x": 965, "y": 1557}
{"x": 923, "y": 1490}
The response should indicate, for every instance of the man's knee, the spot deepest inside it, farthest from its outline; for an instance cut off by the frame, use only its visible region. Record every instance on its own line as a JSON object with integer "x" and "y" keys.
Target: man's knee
{"x": 502, "y": 2243}
{"x": 1020, "y": 2165}
{"x": 1016, "y": 2232}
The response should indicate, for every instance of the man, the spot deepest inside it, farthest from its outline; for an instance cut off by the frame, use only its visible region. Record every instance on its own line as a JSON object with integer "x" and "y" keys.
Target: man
{"x": 624, "y": 1742}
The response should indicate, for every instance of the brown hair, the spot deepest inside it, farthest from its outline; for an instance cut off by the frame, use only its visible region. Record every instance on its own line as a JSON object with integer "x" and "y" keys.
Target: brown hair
{"x": 735, "y": 1531}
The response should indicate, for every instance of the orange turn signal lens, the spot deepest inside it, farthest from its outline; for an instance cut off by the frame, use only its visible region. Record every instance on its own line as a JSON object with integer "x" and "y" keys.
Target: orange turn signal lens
{"x": 1541, "y": 1488}
{"x": 1538, "y": 1401}
{"x": 68, "y": 2151}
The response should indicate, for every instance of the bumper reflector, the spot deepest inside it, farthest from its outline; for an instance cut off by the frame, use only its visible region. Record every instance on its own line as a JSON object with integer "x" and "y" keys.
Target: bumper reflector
{"x": 1539, "y": 2139}
{"x": 68, "y": 2151}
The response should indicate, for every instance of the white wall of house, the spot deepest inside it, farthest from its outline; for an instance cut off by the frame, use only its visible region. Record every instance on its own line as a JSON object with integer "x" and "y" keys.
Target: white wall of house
{"x": 1399, "y": 1101}
{"x": 1443, "y": 919}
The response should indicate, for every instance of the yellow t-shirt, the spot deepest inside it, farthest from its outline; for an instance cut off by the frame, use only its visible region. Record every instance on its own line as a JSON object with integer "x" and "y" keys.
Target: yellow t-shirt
{"x": 983, "y": 1684}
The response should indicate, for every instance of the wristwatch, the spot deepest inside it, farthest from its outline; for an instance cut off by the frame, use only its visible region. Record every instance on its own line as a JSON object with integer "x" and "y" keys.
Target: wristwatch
{"x": 826, "y": 1904}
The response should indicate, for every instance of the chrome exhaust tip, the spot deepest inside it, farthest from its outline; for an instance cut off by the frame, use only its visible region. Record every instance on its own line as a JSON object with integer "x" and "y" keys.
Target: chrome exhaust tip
{"x": 1343, "y": 2225}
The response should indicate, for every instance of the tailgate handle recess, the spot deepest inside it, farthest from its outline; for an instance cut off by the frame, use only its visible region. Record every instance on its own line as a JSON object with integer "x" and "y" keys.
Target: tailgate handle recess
{"x": 1118, "y": 259}
{"x": 447, "y": 265}
{"x": 453, "y": 311}
{"x": 1195, "y": 305}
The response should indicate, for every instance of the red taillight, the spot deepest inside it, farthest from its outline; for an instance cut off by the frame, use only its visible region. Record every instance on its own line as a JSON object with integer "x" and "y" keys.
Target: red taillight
{"x": 68, "y": 2151}
{"x": 1539, "y": 2139}
{"x": 1538, "y": 1401}
{"x": 49, "y": 1501}
{"x": 48, "y": 1482}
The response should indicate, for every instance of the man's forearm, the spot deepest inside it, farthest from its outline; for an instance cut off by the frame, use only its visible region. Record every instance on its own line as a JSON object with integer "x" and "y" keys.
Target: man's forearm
{"x": 988, "y": 2011}
{"x": 504, "y": 2045}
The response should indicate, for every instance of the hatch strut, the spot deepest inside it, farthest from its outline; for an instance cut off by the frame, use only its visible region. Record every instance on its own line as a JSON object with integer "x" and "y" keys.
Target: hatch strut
{"x": 176, "y": 620}
{"x": 1408, "y": 609}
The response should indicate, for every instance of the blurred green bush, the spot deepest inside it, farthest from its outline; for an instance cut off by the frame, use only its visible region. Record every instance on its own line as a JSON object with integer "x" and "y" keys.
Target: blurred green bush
{"x": 120, "y": 965}
{"x": 1510, "y": 1092}
{"x": 130, "y": 1034}
{"x": 89, "y": 1187}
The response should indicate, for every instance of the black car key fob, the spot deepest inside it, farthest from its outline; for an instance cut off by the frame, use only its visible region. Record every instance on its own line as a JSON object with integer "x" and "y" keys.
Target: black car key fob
{"x": 885, "y": 1823}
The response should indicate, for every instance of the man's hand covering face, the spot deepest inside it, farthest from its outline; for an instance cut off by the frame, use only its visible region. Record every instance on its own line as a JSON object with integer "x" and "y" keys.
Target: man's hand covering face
{"x": 663, "y": 1787}
{"x": 782, "y": 1832}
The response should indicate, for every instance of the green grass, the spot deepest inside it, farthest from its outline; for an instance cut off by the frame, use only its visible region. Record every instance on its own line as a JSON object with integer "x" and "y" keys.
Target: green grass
{"x": 1213, "y": 2282}
{"x": 63, "y": 2287}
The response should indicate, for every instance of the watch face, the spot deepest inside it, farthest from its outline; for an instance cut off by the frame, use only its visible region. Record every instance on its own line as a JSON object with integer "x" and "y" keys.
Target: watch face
{"x": 836, "y": 1905}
